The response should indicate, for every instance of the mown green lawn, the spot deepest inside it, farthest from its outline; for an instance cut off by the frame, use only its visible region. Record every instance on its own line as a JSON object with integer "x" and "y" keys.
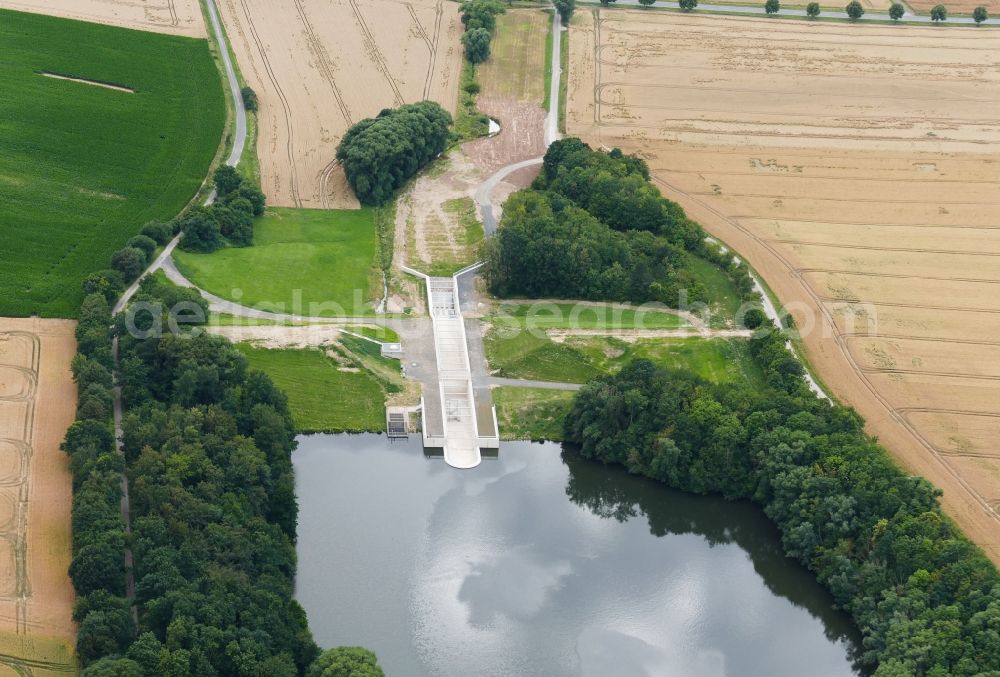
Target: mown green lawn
{"x": 314, "y": 262}
{"x": 582, "y": 316}
{"x": 82, "y": 167}
{"x": 529, "y": 355}
{"x": 321, "y": 397}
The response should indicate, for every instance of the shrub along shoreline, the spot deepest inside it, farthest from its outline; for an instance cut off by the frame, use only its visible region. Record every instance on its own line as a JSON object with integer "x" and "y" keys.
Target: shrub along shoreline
{"x": 926, "y": 600}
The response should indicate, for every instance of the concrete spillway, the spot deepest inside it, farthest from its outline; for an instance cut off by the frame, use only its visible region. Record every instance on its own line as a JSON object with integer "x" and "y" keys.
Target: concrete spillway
{"x": 450, "y": 420}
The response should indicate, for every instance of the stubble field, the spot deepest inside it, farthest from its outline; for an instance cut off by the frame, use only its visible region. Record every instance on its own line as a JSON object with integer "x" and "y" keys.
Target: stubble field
{"x": 37, "y": 405}
{"x": 176, "y": 17}
{"x": 320, "y": 66}
{"x": 856, "y": 168}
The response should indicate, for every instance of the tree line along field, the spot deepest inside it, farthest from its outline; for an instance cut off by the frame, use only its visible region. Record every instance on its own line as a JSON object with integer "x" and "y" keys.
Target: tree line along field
{"x": 82, "y": 167}
{"x": 855, "y": 167}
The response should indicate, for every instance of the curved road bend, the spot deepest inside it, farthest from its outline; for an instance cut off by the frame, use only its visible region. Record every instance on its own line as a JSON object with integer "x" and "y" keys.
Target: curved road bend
{"x": 827, "y": 13}
{"x": 239, "y": 142}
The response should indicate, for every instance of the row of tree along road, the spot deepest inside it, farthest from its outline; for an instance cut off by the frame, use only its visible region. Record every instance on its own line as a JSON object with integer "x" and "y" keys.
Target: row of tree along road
{"x": 854, "y": 9}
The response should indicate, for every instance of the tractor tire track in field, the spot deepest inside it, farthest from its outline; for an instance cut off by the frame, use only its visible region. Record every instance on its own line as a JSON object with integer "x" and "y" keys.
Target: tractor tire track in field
{"x": 323, "y": 62}
{"x": 906, "y": 411}
{"x": 842, "y": 347}
{"x": 324, "y": 183}
{"x": 375, "y": 55}
{"x": 174, "y": 19}
{"x": 432, "y": 45}
{"x": 910, "y": 250}
{"x": 903, "y": 337}
{"x": 903, "y": 276}
{"x": 18, "y": 536}
{"x": 289, "y": 146}
{"x": 327, "y": 70}
{"x": 888, "y": 304}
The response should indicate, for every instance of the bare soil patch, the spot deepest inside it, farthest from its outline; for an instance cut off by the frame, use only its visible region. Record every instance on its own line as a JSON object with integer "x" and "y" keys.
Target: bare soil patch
{"x": 94, "y": 83}
{"x": 37, "y": 405}
{"x": 177, "y": 17}
{"x": 437, "y": 224}
{"x": 521, "y": 134}
{"x": 855, "y": 167}
{"x": 319, "y": 66}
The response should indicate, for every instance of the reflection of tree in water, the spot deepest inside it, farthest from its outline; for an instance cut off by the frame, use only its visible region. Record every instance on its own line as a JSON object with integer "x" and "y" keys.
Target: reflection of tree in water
{"x": 612, "y": 493}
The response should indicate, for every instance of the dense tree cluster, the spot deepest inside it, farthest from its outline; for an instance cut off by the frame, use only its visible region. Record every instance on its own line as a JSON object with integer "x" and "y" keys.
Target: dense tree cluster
{"x": 207, "y": 450}
{"x": 228, "y": 219}
{"x": 249, "y": 99}
{"x": 615, "y": 188}
{"x": 346, "y": 661}
{"x": 565, "y": 9}
{"x": 548, "y": 247}
{"x": 380, "y": 154}
{"x": 98, "y": 566}
{"x": 925, "y": 598}
{"x": 593, "y": 227}
{"x": 480, "y": 20}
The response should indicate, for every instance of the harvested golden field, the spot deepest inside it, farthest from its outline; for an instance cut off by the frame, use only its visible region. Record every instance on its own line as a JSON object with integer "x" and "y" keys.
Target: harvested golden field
{"x": 37, "y": 405}
{"x": 319, "y": 66}
{"x": 856, "y": 167}
{"x": 177, "y": 17}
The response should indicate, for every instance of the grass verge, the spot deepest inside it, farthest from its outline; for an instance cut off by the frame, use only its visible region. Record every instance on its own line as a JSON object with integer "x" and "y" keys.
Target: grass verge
{"x": 531, "y": 413}
{"x": 379, "y": 333}
{"x": 469, "y": 122}
{"x": 546, "y": 100}
{"x": 563, "y": 79}
{"x": 582, "y": 316}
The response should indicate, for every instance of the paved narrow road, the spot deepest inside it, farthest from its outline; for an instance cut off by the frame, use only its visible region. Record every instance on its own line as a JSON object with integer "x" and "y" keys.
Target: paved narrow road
{"x": 239, "y": 143}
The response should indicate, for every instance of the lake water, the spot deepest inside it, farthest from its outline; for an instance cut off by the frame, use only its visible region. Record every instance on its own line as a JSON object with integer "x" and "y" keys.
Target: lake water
{"x": 540, "y": 563}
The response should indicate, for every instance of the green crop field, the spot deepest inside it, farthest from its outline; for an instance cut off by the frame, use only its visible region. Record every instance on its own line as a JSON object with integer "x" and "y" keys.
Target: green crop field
{"x": 83, "y": 167}
{"x": 300, "y": 257}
